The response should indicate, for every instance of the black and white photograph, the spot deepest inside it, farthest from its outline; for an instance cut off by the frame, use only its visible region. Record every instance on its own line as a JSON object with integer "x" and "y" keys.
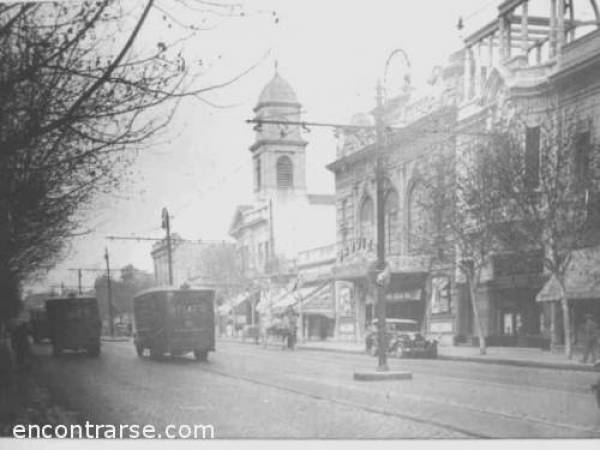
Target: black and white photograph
{"x": 283, "y": 220}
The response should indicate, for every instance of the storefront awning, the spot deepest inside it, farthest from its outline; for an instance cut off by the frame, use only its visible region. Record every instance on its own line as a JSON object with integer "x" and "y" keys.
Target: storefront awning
{"x": 268, "y": 298}
{"x": 582, "y": 279}
{"x": 319, "y": 301}
{"x": 233, "y": 302}
{"x": 290, "y": 298}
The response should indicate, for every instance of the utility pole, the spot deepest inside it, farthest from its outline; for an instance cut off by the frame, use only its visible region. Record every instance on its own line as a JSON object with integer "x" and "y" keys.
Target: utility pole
{"x": 80, "y": 271}
{"x": 109, "y": 288}
{"x": 379, "y": 177}
{"x": 166, "y": 225}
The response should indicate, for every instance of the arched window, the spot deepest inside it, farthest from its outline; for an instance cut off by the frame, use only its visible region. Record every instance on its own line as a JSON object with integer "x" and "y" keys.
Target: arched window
{"x": 257, "y": 173}
{"x": 419, "y": 219}
{"x": 392, "y": 217}
{"x": 367, "y": 219}
{"x": 285, "y": 173}
{"x": 344, "y": 219}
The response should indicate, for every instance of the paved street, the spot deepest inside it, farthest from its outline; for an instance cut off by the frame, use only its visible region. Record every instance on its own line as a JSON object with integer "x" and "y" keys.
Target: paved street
{"x": 248, "y": 391}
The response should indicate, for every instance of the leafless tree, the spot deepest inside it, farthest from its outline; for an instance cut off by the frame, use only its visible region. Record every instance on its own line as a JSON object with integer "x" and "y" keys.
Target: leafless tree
{"x": 76, "y": 97}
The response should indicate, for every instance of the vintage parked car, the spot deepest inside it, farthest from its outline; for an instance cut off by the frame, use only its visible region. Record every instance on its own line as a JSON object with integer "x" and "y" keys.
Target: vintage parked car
{"x": 174, "y": 321}
{"x": 404, "y": 340}
{"x": 74, "y": 324}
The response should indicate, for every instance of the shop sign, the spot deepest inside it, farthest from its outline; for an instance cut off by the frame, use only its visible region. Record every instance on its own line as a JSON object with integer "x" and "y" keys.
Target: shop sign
{"x": 405, "y": 296}
{"x": 347, "y": 328}
{"x": 409, "y": 264}
{"x": 345, "y": 302}
{"x": 440, "y": 327}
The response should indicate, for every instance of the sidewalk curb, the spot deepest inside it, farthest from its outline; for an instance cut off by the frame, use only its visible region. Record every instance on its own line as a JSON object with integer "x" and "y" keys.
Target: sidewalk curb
{"x": 114, "y": 339}
{"x": 519, "y": 363}
{"x": 474, "y": 359}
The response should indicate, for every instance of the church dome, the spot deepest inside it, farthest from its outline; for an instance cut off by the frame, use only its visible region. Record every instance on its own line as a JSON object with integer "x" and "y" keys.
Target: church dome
{"x": 278, "y": 90}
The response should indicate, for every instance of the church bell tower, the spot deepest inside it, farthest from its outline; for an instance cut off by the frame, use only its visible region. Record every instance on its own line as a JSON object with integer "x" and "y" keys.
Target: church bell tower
{"x": 278, "y": 152}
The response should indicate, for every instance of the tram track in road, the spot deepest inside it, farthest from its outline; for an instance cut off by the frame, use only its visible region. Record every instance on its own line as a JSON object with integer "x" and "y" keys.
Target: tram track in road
{"x": 474, "y": 404}
{"x": 426, "y": 367}
{"x": 512, "y": 417}
{"x": 466, "y": 373}
{"x": 346, "y": 403}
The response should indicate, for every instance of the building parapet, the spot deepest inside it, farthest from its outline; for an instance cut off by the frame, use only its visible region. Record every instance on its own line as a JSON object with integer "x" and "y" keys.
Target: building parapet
{"x": 317, "y": 255}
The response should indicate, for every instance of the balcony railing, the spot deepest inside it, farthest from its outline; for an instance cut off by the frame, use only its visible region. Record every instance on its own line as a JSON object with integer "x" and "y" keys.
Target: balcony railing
{"x": 363, "y": 249}
{"x": 355, "y": 247}
{"x": 316, "y": 255}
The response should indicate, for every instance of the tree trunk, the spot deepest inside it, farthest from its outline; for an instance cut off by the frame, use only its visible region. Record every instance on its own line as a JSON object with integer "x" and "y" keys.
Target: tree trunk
{"x": 9, "y": 294}
{"x": 480, "y": 334}
{"x": 564, "y": 301}
{"x": 552, "y": 325}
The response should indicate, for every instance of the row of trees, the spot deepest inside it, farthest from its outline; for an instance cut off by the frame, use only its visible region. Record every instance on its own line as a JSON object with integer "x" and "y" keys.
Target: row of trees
{"x": 78, "y": 100}
{"x": 73, "y": 99}
{"x": 518, "y": 189}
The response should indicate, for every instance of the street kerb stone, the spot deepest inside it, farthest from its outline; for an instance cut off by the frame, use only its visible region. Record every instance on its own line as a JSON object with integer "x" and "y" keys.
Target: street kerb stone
{"x": 374, "y": 375}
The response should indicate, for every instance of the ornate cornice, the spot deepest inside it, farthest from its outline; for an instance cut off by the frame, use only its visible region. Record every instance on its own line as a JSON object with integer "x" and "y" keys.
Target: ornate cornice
{"x": 278, "y": 142}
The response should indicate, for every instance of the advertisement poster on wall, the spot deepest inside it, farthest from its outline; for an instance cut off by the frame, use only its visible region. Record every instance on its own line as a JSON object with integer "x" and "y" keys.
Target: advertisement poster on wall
{"x": 346, "y": 310}
{"x": 440, "y": 295}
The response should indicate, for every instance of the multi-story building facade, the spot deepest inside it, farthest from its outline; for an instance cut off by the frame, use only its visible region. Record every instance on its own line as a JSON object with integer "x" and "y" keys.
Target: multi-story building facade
{"x": 537, "y": 59}
{"x": 419, "y": 258}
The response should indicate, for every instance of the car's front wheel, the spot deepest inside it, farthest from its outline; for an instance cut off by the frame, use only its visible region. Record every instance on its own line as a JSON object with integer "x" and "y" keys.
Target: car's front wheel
{"x": 433, "y": 350}
{"x": 56, "y": 350}
{"x": 93, "y": 350}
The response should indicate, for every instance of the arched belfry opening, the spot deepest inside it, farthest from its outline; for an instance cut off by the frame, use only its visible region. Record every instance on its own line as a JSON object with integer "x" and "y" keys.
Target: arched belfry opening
{"x": 278, "y": 150}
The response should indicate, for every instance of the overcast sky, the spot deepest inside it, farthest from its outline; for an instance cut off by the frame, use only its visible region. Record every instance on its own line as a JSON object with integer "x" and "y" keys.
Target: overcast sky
{"x": 331, "y": 51}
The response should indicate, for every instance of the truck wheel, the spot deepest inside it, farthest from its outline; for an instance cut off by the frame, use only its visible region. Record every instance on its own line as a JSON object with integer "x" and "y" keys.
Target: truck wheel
{"x": 201, "y": 355}
{"x": 56, "y": 350}
{"x": 93, "y": 350}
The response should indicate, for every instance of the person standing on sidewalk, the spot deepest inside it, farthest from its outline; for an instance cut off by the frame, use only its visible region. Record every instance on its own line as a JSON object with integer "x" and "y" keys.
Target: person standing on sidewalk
{"x": 19, "y": 334}
{"x": 590, "y": 339}
{"x": 293, "y": 329}
{"x": 8, "y": 394}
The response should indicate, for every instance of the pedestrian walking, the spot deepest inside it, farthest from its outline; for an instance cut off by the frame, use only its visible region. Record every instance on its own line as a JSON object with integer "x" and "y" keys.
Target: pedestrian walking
{"x": 7, "y": 376}
{"x": 590, "y": 339}
{"x": 19, "y": 337}
{"x": 293, "y": 329}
